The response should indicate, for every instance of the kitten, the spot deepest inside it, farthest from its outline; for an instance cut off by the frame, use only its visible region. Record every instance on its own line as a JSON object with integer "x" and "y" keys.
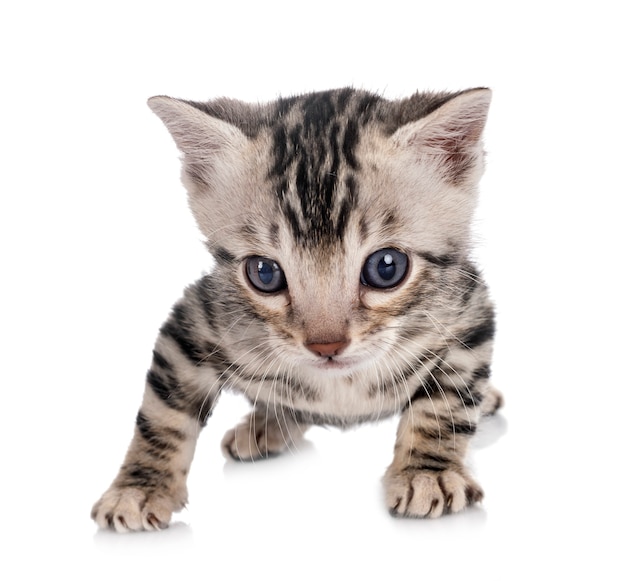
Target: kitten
{"x": 342, "y": 292}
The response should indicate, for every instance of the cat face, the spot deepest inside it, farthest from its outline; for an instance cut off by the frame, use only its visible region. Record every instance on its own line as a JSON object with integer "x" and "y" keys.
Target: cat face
{"x": 333, "y": 215}
{"x": 332, "y": 306}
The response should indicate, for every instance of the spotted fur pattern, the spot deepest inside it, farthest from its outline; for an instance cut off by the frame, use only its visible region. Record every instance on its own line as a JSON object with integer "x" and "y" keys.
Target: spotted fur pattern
{"x": 318, "y": 183}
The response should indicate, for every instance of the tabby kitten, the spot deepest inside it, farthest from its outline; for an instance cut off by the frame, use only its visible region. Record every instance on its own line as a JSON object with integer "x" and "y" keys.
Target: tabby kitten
{"x": 342, "y": 292}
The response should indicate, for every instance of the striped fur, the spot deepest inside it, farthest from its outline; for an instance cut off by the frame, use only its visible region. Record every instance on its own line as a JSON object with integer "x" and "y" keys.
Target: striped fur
{"x": 317, "y": 184}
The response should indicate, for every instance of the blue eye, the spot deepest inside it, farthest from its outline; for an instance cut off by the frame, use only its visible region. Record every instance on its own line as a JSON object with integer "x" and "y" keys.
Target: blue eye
{"x": 265, "y": 274}
{"x": 385, "y": 268}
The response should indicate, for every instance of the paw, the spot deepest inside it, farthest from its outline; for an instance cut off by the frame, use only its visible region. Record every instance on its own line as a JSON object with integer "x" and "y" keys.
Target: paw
{"x": 134, "y": 509}
{"x": 492, "y": 402}
{"x": 260, "y": 437}
{"x": 429, "y": 494}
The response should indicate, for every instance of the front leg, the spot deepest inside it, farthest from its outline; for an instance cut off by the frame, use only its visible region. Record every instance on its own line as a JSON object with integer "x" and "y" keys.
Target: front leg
{"x": 151, "y": 483}
{"x": 427, "y": 477}
{"x": 181, "y": 389}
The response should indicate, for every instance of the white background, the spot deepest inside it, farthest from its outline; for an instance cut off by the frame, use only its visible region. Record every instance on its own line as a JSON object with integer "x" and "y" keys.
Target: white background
{"x": 97, "y": 243}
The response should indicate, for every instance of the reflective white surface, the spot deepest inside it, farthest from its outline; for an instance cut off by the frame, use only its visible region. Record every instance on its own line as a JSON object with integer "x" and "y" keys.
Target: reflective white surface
{"x": 97, "y": 243}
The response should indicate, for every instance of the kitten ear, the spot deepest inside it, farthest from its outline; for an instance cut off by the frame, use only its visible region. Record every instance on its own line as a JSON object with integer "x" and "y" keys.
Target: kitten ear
{"x": 207, "y": 142}
{"x": 450, "y": 136}
{"x": 213, "y": 162}
{"x": 195, "y": 132}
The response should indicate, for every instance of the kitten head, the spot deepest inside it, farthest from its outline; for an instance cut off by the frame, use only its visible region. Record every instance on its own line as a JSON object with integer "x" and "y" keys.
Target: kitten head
{"x": 333, "y": 215}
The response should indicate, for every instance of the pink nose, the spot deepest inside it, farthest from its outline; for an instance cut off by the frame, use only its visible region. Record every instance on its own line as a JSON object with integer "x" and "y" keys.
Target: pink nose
{"x": 327, "y": 349}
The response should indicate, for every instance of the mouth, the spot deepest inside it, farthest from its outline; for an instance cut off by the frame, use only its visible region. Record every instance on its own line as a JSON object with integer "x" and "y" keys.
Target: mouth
{"x": 336, "y": 364}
